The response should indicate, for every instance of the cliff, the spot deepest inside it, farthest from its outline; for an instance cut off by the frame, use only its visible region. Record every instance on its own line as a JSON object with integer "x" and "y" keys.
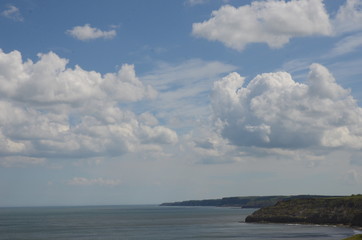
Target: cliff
{"x": 333, "y": 210}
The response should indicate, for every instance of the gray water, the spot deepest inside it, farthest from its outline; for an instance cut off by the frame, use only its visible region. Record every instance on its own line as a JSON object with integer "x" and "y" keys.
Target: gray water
{"x": 150, "y": 222}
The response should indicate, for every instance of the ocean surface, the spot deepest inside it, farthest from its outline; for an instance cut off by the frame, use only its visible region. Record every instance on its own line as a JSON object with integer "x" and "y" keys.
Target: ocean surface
{"x": 150, "y": 223}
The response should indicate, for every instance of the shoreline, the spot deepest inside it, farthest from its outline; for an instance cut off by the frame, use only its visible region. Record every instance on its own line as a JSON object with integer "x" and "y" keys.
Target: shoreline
{"x": 357, "y": 228}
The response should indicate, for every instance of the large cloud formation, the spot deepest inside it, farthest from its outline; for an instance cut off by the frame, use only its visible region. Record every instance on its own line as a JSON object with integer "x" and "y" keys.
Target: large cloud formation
{"x": 274, "y": 111}
{"x": 276, "y": 22}
{"x": 271, "y": 22}
{"x": 50, "y": 110}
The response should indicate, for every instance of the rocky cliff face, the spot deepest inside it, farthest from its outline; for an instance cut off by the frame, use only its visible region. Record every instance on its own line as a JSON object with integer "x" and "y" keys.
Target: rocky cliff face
{"x": 336, "y": 210}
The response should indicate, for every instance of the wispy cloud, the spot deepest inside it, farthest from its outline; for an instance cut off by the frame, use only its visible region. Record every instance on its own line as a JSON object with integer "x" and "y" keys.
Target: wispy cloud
{"x": 87, "y": 32}
{"x": 346, "y": 45}
{"x": 195, "y": 2}
{"x": 81, "y": 181}
{"x": 351, "y": 177}
{"x": 12, "y": 13}
{"x": 349, "y": 17}
{"x": 20, "y": 161}
{"x": 184, "y": 88}
{"x": 192, "y": 3}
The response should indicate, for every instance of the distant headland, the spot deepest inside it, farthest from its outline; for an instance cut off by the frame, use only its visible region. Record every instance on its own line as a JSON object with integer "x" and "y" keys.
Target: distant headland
{"x": 243, "y": 202}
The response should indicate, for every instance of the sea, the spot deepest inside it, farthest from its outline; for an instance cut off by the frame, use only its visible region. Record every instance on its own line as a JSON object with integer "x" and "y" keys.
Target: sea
{"x": 150, "y": 222}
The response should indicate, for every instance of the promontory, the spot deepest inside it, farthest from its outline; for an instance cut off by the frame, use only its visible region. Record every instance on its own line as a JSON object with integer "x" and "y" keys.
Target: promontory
{"x": 331, "y": 210}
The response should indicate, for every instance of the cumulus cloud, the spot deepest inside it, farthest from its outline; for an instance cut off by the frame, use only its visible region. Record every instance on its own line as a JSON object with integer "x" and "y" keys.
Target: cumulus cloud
{"x": 49, "y": 81}
{"x": 148, "y": 118}
{"x": 50, "y": 110}
{"x": 12, "y": 13}
{"x": 87, "y": 32}
{"x": 158, "y": 134}
{"x": 81, "y": 181}
{"x": 276, "y": 22}
{"x": 271, "y": 22}
{"x": 274, "y": 111}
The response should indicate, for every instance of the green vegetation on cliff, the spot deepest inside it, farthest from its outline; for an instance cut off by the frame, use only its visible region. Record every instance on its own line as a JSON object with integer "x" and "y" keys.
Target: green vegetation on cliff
{"x": 331, "y": 210}
{"x": 244, "y": 202}
{"x": 355, "y": 237}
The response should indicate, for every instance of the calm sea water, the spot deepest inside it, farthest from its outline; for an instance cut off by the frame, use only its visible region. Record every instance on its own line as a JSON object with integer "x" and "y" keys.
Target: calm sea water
{"x": 150, "y": 223}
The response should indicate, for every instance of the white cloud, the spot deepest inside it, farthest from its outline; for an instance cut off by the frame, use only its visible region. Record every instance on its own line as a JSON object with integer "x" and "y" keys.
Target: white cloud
{"x": 87, "y": 32}
{"x": 210, "y": 148}
{"x": 81, "y": 181}
{"x": 125, "y": 85}
{"x": 12, "y": 13}
{"x": 49, "y": 110}
{"x": 49, "y": 81}
{"x": 148, "y": 119}
{"x": 185, "y": 88}
{"x": 346, "y": 45}
{"x": 349, "y": 17}
{"x": 15, "y": 161}
{"x": 271, "y": 22}
{"x": 276, "y": 22}
{"x": 274, "y": 111}
{"x": 196, "y": 2}
{"x": 158, "y": 134}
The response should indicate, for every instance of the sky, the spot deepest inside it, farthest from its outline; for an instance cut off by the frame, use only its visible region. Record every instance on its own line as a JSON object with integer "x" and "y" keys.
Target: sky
{"x": 144, "y": 102}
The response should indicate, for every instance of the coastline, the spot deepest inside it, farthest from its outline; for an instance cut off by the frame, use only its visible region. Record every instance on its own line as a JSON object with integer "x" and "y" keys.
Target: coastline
{"x": 357, "y": 228}
{"x": 313, "y": 210}
{"x": 356, "y": 236}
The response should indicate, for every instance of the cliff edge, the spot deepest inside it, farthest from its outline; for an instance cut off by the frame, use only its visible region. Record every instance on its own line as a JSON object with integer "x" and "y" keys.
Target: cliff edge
{"x": 334, "y": 210}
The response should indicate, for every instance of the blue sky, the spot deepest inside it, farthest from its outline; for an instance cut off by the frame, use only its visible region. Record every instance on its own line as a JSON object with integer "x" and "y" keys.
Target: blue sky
{"x": 133, "y": 102}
